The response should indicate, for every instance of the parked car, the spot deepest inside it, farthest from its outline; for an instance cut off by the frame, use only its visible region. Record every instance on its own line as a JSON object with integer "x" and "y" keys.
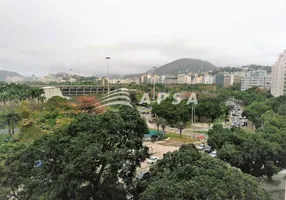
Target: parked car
{"x": 213, "y": 153}
{"x": 208, "y": 149}
{"x": 144, "y": 175}
{"x": 201, "y": 147}
{"x": 152, "y": 159}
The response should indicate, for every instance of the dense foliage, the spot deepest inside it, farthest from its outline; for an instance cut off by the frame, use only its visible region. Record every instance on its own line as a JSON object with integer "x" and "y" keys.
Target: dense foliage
{"x": 18, "y": 92}
{"x": 69, "y": 150}
{"x": 208, "y": 108}
{"x": 95, "y": 157}
{"x": 189, "y": 174}
{"x": 260, "y": 154}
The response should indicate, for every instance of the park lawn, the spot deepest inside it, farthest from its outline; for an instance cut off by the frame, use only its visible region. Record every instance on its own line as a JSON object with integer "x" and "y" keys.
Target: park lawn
{"x": 175, "y": 137}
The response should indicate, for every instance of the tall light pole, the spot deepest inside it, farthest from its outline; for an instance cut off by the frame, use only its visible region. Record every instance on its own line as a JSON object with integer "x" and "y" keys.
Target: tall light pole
{"x": 79, "y": 77}
{"x": 154, "y": 80}
{"x": 71, "y": 77}
{"x": 194, "y": 116}
{"x": 107, "y": 60}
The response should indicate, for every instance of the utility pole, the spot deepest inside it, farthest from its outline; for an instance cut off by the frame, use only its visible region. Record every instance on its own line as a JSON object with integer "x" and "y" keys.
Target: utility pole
{"x": 71, "y": 77}
{"x": 107, "y": 59}
{"x": 193, "y": 119}
{"x": 194, "y": 116}
{"x": 154, "y": 80}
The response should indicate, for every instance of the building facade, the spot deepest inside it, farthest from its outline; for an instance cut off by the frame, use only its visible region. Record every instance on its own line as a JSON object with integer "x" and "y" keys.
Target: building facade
{"x": 256, "y": 78}
{"x": 219, "y": 80}
{"x": 278, "y": 75}
{"x": 227, "y": 80}
{"x": 181, "y": 78}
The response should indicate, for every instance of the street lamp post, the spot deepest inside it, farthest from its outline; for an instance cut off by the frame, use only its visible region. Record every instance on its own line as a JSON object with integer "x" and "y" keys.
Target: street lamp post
{"x": 194, "y": 117}
{"x": 107, "y": 59}
{"x": 154, "y": 80}
{"x": 71, "y": 77}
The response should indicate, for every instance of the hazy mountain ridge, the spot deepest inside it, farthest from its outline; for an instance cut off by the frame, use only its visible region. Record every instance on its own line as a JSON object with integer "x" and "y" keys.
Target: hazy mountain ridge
{"x": 180, "y": 66}
{"x": 4, "y": 74}
{"x": 184, "y": 66}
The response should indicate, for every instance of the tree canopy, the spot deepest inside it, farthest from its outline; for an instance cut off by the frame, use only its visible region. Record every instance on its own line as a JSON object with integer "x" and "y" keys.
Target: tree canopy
{"x": 18, "y": 92}
{"x": 95, "y": 157}
{"x": 189, "y": 174}
{"x": 258, "y": 154}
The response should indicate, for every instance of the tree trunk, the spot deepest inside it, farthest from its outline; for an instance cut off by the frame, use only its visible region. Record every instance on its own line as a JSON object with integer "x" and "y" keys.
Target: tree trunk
{"x": 9, "y": 130}
{"x": 180, "y": 133}
{"x": 269, "y": 178}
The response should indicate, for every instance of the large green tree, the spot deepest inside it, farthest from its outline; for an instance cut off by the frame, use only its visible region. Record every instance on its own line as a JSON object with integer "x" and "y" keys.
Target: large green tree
{"x": 95, "y": 157}
{"x": 254, "y": 112}
{"x": 189, "y": 174}
{"x": 210, "y": 108}
{"x": 171, "y": 112}
{"x": 257, "y": 153}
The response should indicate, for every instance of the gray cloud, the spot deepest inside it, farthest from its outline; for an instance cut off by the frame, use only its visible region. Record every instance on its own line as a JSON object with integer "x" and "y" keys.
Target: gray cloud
{"x": 58, "y": 35}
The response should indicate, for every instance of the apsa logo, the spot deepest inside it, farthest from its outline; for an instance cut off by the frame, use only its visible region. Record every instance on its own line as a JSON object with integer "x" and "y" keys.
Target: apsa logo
{"x": 116, "y": 97}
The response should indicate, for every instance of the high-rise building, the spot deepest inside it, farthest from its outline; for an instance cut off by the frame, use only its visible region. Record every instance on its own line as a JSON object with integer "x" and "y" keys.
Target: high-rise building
{"x": 170, "y": 79}
{"x": 219, "y": 80}
{"x": 227, "y": 81}
{"x": 277, "y": 76}
{"x": 207, "y": 79}
{"x": 162, "y": 79}
{"x": 181, "y": 78}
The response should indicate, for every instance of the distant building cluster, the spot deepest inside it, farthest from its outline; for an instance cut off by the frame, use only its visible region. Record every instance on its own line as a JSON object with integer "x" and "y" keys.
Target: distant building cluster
{"x": 14, "y": 79}
{"x": 191, "y": 78}
{"x": 245, "y": 78}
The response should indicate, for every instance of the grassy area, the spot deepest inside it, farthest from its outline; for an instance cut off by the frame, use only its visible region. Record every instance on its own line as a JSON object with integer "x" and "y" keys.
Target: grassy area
{"x": 176, "y": 138}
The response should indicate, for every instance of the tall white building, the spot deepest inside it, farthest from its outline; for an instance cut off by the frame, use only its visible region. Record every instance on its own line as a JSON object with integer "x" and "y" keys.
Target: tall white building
{"x": 207, "y": 79}
{"x": 277, "y": 75}
{"x": 188, "y": 79}
{"x": 256, "y": 78}
{"x": 181, "y": 78}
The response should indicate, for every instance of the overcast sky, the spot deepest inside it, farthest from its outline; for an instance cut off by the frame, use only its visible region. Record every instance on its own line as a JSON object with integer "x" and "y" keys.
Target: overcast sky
{"x": 44, "y": 36}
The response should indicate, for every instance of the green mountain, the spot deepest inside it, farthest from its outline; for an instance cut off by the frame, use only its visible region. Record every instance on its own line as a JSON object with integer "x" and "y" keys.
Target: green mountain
{"x": 4, "y": 74}
{"x": 184, "y": 66}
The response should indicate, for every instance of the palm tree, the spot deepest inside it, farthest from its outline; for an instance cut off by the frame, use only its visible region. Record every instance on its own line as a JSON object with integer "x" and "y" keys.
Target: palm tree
{"x": 157, "y": 121}
{"x": 181, "y": 125}
{"x": 163, "y": 123}
{"x": 10, "y": 120}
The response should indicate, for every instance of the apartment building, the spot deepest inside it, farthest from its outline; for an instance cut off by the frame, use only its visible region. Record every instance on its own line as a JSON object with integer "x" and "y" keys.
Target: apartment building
{"x": 256, "y": 78}
{"x": 278, "y": 76}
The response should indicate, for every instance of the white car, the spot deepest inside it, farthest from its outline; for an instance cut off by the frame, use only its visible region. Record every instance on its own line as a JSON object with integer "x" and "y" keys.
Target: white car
{"x": 152, "y": 159}
{"x": 213, "y": 154}
{"x": 201, "y": 147}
